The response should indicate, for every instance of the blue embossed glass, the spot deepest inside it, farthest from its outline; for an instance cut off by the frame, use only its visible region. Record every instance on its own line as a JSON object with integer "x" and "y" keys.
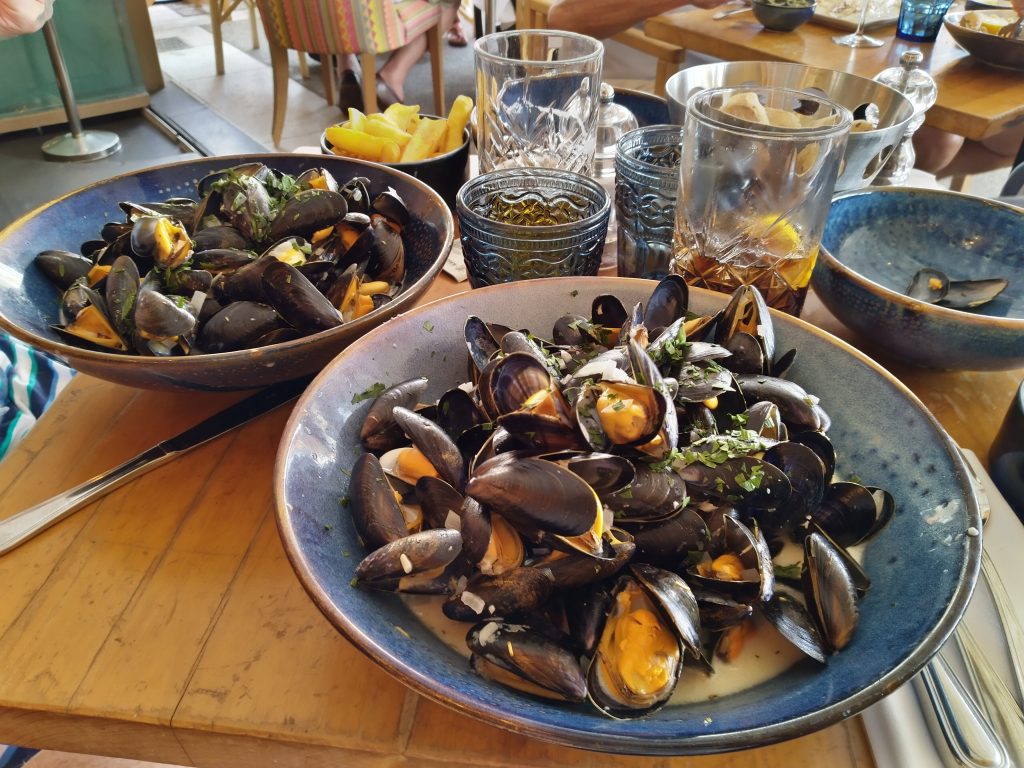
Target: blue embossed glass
{"x": 921, "y": 20}
{"x": 524, "y": 223}
{"x": 646, "y": 188}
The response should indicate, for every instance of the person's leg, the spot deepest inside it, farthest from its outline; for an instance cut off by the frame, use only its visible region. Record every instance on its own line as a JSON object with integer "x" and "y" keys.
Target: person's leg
{"x": 402, "y": 60}
{"x": 934, "y": 148}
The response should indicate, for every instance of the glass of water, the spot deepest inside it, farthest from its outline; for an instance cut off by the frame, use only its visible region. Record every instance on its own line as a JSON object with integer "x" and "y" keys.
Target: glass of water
{"x": 537, "y": 102}
{"x": 757, "y": 170}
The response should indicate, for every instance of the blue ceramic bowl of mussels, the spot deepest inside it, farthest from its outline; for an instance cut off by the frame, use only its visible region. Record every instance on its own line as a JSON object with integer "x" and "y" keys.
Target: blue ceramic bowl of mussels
{"x": 29, "y": 300}
{"x": 876, "y": 240}
{"x": 923, "y": 563}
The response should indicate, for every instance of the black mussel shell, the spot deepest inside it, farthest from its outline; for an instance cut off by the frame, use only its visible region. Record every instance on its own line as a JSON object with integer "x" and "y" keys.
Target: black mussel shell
{"x": 403, "y": 564}
{"x": 222, "y": 236}
{"x": 238, "y": 326}
{"x": 795, "y": 624}
{"x": 63, "y": 267}
{"x": 307, "y": 212}
{"x": 121, "y": 292}
{"x": 516, "y": 592}
{"x": 970, "y": 294}
{"x": 829, "y": 592}
{"x": 377, "y": 516}
{"x": 297, "y": 300}
{"x": 379, "y": 431}
{"x": 668, "y": 303}
{"x": 928, "y": 285}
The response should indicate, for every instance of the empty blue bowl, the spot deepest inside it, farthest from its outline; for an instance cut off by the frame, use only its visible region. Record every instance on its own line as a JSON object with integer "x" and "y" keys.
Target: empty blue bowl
{"x": 876, "y": 240}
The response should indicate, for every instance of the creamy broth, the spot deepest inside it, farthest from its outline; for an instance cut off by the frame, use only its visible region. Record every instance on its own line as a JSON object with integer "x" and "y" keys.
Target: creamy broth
{"x": 766, "y": 654}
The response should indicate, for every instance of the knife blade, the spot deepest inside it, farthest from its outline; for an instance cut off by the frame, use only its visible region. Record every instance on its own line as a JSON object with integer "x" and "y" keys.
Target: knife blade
{"x": 22, "y": 526}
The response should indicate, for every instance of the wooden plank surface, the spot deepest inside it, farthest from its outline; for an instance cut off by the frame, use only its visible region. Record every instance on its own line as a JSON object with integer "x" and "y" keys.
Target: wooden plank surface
{"x": 974, "y": 99}
{"x": 165, "y": 623}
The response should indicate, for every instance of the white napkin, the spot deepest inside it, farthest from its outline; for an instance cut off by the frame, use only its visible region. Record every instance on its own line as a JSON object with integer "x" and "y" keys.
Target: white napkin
{"x": 896, "y": 728}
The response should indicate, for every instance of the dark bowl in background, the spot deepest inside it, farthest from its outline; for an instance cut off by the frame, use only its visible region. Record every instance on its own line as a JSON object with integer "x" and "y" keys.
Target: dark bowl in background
{"x": 781, "y": 18}
{"x": 444, "y": 174}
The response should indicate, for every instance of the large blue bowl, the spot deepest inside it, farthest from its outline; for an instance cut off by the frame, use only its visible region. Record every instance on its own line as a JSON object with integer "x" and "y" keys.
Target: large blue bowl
{"x": 876, "y": 240}
{"x": 923, "y": 564}
{"x": 29, "y": 301}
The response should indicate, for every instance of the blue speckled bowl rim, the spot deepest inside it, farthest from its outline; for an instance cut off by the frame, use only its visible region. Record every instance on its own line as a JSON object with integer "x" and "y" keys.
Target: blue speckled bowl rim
{"x": 168, "y": 364}
{"x": 905, "y": 302}
{"x": 441, "y": 692}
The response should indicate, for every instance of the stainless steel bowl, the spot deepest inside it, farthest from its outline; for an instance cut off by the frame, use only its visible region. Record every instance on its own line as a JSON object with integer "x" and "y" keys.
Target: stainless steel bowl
{"x": 866, "y": 151}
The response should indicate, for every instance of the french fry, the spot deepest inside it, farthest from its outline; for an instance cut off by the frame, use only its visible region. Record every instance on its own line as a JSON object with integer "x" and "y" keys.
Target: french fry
{"x": 457, "y": 119}
{"x": 356, "y": 119}
{"x": 403, "y": 116}
{"x": 424, "y": 141}
{"x": 346, "y": 141}
{"x": 378, "y": 125}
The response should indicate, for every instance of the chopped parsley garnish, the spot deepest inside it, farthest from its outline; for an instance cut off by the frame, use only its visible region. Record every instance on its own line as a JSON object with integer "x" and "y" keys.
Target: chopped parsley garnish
{"x": 428, "y": 326}
{"x": 369, "y": 393}
{"x": 671, "y": 351}
{"x": 791, "y": 571}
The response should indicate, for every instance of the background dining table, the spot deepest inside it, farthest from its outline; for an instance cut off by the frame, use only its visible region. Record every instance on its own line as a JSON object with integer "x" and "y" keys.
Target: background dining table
{"x": 163, "y": 622}
{"x": 974, "y": 100}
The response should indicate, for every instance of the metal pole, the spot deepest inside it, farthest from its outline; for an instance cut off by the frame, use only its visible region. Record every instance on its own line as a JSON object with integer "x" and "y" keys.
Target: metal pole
{"x": 63, "y": 81}
{"x": 79, "y": 144}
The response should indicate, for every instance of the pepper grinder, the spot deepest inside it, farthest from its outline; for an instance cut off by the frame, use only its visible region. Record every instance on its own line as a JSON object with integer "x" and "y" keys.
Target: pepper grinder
{"x": 918, "y": 86}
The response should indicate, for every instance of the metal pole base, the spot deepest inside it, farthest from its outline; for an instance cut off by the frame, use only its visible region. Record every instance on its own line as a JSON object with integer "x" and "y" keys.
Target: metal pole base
{"x": 88, "y": 145}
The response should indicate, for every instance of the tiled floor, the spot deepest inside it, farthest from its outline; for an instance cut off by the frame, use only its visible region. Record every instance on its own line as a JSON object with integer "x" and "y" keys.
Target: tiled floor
{"x": 243, "y": 95}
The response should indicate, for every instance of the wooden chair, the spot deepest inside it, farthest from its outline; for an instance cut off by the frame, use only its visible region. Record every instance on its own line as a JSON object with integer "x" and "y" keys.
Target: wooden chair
{"x": 533, "y": 14}
{"x": 220, "y": 11}
{"x": 341, "y": 27}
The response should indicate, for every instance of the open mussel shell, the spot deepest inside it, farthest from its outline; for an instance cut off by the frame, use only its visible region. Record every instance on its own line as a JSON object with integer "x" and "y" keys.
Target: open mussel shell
{"x": 829, "y": 591}
{"x": 738, "y": 563}
{"x": 85, "y": 316}
{"x": 533, "y": 660}
{"x": 440, "y": 503}
{"x": 668, "y": 302}
{"x": 821, "y": 445}
{"x": 411, "y": 563}
{"x": 718, "y": 611}
{"x": 217, "y": 260}
{"x": 161, "y": 239}
{"x": 380, "y": 431}
{"x": 432, "y": 441}
{"x": 634, "y": 628}
{"x": 606, "y": 473}
{"x": 534, "y": 494}
{"x": 928, "y": 285}
{"x": 970, "y": 294}
{"x": 585, "y": 611}
{"x": 515, "y": 592}
{"x": 480, "y": 342}
{"x": 619, "y": 413}
{"x": 676, "y": 599}
{"x": 806, "y": 473}
{"x": 746, "y": 319}
{"x": 765, "y": 419}
{"x": 793, "y": 622}
{"x": 457, "y": 412}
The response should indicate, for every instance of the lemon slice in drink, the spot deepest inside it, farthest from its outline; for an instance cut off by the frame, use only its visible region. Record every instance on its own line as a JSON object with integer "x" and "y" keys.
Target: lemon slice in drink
{"x": 782, "y": 239}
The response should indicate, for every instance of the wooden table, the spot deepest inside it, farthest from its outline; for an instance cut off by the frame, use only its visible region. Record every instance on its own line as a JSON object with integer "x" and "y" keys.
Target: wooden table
{"x": 974, "y": 100}
{"x": 164, "y": 622}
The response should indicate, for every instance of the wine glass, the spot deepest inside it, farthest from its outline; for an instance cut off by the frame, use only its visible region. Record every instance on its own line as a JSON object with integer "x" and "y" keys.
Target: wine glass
{"x": 858, "y": 39}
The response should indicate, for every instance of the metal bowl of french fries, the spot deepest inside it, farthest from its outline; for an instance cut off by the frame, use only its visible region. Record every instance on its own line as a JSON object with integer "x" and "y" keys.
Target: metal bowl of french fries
{"x": 433, "y": 149}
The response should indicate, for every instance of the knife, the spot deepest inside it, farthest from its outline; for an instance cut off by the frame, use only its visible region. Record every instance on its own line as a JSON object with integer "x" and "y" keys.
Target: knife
{"x": 25, "y": 524}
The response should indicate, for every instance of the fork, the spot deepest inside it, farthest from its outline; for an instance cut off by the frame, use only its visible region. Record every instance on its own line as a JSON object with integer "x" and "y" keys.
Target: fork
{"x": 1013, "y": 30}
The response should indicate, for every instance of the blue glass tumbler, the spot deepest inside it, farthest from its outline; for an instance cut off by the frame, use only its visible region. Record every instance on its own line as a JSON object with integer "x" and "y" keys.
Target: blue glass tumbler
{"x": 921, "y": 20}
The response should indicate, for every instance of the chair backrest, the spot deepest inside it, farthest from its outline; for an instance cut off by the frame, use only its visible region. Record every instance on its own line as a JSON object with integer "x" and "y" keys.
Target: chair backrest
{"x": 334, "y": 26}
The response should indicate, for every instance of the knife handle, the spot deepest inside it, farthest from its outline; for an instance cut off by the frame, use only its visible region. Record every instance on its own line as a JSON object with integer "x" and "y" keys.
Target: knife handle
{"x": 960, "y": 724}
{"x": 27, "y": 523}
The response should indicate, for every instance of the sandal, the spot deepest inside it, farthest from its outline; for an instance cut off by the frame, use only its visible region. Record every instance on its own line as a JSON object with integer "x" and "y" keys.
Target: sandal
{"x": 386, "y": 95}
{"x": 455, "y": 36}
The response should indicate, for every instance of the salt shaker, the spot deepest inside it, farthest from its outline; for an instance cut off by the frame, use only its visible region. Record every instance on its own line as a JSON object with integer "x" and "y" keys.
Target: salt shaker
{"x": 613, "y": 121}
{"x": 918, "y": 86}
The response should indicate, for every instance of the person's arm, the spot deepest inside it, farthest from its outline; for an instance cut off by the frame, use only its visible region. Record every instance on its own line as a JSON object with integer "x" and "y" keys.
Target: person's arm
{"x": 604, "y": 18}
